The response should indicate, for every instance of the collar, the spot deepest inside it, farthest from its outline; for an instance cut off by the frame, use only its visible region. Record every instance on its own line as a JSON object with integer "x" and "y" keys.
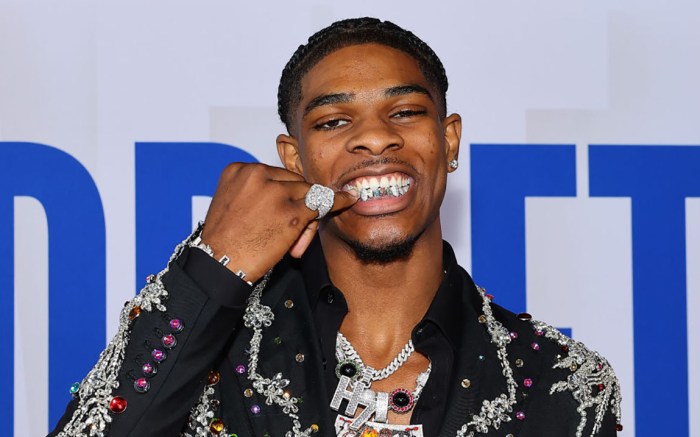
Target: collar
{"x": 447, "y": 311}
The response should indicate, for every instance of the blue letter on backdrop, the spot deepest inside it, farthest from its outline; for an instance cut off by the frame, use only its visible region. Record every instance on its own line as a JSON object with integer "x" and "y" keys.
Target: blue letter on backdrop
{"x": 657, "y": 179}
{"x": 501, "y": 177}
{"x": 76, "y": 267}
{"x": 167, "y": 176}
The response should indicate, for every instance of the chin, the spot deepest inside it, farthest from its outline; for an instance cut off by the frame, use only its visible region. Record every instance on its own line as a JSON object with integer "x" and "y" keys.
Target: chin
{"x": 383, "y": 252}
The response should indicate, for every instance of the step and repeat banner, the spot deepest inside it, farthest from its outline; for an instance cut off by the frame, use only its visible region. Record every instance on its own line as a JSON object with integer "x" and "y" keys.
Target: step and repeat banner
{"x": 577, "y": 198}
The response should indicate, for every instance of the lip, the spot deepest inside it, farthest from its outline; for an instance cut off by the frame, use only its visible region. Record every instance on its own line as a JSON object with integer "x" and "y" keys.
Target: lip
{"x": 385, "y": 204}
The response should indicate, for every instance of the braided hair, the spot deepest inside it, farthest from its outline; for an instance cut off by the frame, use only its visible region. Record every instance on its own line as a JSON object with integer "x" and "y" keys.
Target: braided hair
{"x": 350, "y": 32}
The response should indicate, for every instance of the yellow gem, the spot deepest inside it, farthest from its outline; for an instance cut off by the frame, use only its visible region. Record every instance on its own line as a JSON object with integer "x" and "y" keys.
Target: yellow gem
{"x": 314, "y": 427}
{"x": 216, "y": 426}
{"x": 370, "y": 432}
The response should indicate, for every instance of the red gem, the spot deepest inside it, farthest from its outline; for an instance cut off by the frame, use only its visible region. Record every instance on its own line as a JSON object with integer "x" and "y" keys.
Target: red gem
{"x": 601, "y": 387}
{"x": 539, "y": 332}
{"x": 213, "y": 378}
{"x": 135, "y": 312}
{"x": 565, "y": 348}
{"x": 169, "y": 341}
{"x": 618, "y": 427}
{"x": 117, "y": 404}
{"x": 524, "y": 316}
{"x": 490, "y": 297}
{"x": 527, "y": 382}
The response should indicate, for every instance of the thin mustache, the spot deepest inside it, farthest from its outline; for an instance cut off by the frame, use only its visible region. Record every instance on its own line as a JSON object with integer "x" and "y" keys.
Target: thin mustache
{"x": 371, "y": 163}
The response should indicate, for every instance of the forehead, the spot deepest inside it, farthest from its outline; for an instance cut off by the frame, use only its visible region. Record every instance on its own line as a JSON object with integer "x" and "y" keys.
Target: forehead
{"x": 361, "y": 68}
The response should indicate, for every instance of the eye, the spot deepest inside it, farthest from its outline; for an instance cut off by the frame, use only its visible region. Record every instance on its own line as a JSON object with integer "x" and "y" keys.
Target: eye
{"x": 331, "y": 124}
{"x": 406, "y": 113}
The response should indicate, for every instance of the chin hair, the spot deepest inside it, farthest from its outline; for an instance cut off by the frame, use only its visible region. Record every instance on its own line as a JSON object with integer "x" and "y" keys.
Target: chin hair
{"x": 384, "y": 253}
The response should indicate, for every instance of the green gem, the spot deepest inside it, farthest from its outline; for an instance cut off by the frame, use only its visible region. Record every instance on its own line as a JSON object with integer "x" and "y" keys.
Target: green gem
{"x": 74, "y": 388}
{"x": 278, "y": 340}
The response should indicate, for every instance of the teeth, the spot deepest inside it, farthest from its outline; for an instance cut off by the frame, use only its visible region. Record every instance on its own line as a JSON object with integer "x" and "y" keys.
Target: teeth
{"x": 371, "y": 187}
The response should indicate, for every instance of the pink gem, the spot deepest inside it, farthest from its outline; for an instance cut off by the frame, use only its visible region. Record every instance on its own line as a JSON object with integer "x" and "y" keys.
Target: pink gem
{"x": 240, "y": 369}
{"x": 520, "y": 415}
{"x": 142, "y": 385}
{"x": 539, "y": 332}
{"x": 169, "y": 341}
{"x": 158, "y": 355}
{"x": 149, "y": 369}
{"x": 599, "y": 367}
{"x": 527, "y": 382}
{"x": 535, "y": 346}
{"x": 176, "y": 325}
{"x": 513, "y": 335}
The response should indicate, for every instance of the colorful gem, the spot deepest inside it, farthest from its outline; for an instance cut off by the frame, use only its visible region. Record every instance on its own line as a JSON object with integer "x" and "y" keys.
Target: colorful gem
{"x": 240, "y": 369}
{"x": 255, "y": 409}
{"x": 539, "y": 332}
{"x": 135, "y": 312}
{"x": 169, "y": 341}
{"x": 401, "y": 400}
{"x": 370, "y": 432}
{"x": 300, "y": 358}
{"x": 213, "y": 378}
{"x": 527, "y": 382}
{"x": 565, "y": 348}
{"x": 524, "y": 316}
{"x": 482, "y": 358}
{"x": 117, "y": 404}
{"x": 286, "y": 395}
{"x": 519, "y": 362}
{"x": 466, "y": 383}
{"x": 277, "y": 340}
{"x": 289, "y": 303}
{"x": 74, "y": 388}
{"x": 601, "y": 387}
{"x": 176, "y": 325}
{"x": 248, "y": 392}
{"x": 142, "y": 385}
{"x": 520, "y": 415}
{"x": 482, "y": 319}
{"x": 149, "y": 369}
{"x": 214, "y": 404}
{"x": 618, "y": 427}
{"x": 150, "y": 278}
{"x": 573, "y": 367}
{"x": 385, "y": 432}
{"x": 314, "y": 427}
{"x": 158, "y": 355}
{"x": 535, "y": 346}
{"x": 216, "y": 426}
{"x": 513, "y": 335}
{"x": 490, "y": 297}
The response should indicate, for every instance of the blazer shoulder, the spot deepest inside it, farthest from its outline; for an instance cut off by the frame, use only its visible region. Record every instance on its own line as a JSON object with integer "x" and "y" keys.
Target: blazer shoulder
{"x": 587, "y": 377}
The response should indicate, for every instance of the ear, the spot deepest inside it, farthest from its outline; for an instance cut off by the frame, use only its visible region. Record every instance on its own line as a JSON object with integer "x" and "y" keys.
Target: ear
{"x": 288, "y": 151}
{"x": 452, "y": 128}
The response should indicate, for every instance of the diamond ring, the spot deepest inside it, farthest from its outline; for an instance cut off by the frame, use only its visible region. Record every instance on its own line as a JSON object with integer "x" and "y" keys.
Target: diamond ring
{"x": 319, "y": 198}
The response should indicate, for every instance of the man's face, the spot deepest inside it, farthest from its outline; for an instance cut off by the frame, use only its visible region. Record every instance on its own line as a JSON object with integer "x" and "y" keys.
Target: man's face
{"x": 370, "y": 122}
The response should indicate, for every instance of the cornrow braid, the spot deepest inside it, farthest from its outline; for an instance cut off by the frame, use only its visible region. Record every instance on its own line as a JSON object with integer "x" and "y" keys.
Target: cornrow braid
{"x": 350, "y": 32}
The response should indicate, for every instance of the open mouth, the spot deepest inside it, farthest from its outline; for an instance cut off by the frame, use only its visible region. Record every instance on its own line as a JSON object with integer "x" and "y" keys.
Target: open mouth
{"x": 376, "y": 187}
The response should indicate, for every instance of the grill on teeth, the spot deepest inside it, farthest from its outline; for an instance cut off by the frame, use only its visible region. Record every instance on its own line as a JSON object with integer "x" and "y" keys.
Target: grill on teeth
{"x": 369, "y": 188}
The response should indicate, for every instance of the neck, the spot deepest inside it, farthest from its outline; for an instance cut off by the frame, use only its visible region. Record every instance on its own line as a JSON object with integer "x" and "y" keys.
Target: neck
{"x": 385, "y": 301}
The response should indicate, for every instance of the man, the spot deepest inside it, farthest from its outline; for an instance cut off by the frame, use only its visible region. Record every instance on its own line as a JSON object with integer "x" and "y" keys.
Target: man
{"x": 365, "y": 325}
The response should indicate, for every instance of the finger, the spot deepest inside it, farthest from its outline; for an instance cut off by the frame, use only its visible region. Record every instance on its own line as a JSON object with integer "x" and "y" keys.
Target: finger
{"x": 304, "y": 240}
{"x": 343, "y": 200}
{"x": 281, "y": 174}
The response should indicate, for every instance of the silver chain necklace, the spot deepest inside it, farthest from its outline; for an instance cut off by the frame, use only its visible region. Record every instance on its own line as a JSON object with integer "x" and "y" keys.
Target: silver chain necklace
{"x": 346, "y": 351}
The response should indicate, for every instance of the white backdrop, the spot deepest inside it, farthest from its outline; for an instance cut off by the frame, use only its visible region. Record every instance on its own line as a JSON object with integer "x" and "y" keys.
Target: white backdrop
{"x": 92, "y": 79}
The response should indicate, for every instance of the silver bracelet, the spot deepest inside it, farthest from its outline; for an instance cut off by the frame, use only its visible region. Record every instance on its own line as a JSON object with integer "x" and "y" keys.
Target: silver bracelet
{"x": 224, "y": 260}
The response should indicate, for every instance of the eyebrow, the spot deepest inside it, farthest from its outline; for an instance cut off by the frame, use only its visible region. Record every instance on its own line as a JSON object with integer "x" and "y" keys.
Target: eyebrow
{"x": 328, "y": 99}
{"x": 333, "y": 99}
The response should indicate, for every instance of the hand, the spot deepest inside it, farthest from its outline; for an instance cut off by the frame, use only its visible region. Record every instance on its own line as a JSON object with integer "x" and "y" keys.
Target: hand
{"x": 258, "y": 215}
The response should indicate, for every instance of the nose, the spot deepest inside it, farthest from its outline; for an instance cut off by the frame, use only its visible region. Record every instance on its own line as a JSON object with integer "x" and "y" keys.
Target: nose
{"x": 374, "y": 136}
